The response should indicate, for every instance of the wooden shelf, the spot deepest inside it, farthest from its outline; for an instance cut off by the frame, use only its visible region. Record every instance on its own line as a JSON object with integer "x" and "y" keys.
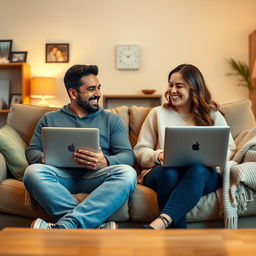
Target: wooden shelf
{"x": 19, "y": 76}
{"x": 4, "y": 110}
{"x": 146, "y": 100}
{"x": 11, "y": 65}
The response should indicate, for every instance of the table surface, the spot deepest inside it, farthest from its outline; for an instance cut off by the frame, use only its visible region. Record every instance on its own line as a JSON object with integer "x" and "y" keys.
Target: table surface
{"x": 199, "y": 242}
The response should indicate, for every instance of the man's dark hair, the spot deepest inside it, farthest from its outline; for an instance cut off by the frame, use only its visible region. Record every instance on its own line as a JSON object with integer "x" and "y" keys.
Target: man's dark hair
{"x": 72, "y": 78}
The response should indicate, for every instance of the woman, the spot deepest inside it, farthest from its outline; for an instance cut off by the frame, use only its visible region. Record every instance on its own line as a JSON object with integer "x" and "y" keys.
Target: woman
{"x": 178, "y": 189}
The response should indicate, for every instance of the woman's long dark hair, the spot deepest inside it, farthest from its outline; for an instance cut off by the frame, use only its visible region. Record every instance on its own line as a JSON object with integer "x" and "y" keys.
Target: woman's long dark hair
{"x": 202, "y": 104}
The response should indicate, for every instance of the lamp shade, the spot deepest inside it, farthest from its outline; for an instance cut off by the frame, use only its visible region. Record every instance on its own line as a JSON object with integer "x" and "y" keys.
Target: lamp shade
{"x": 43, "y": 86}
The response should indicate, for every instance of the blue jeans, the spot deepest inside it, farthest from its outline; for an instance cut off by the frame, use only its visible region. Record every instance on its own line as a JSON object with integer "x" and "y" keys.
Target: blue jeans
{"x": 180, "y": 189}
{"x": 53, "y": 187}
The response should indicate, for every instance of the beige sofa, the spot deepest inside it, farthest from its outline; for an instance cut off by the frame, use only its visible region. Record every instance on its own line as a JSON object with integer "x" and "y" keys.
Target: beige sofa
{"x": 17, "y": 208}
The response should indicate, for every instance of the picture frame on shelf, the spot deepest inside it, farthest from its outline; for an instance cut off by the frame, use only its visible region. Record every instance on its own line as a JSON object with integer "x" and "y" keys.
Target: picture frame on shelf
{"x": 5, "y": 50}
{"x": 18, "y": 57}
{"x": 4, "y": 94}
{"x": 16, "y": 98}
{"x": 57, "y": 53}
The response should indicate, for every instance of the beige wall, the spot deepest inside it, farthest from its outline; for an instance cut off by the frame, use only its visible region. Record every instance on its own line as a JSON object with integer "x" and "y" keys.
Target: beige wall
{"x": 169, "y": 32}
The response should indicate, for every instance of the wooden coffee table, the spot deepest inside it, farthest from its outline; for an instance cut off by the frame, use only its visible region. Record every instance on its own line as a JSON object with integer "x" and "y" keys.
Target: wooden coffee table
{"x": 199, "y": 242}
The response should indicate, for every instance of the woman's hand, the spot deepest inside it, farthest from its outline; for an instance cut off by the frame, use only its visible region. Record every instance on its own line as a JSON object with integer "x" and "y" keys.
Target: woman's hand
{"x": 160, "y": 157}
{"x": 90, "y": 160}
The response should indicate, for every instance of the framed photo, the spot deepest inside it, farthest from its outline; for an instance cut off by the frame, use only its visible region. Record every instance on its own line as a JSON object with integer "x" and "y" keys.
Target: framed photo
{"x": 5, "y": 50}
{"x": 16, "y": 99}
{"x": 4, "y": 94}
{"x": 18, "y": 56}
{"x": 57, "y": 53}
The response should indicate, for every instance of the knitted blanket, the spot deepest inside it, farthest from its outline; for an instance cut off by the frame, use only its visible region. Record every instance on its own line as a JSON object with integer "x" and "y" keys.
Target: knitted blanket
{"x": 239, "y": 179}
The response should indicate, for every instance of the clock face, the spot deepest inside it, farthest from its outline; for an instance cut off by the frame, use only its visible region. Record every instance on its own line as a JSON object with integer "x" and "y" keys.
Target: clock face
{"x": 127, "y": 56}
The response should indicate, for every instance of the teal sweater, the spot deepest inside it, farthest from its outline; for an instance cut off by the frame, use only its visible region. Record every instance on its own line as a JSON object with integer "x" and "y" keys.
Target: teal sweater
{"x": 114, "y": 140}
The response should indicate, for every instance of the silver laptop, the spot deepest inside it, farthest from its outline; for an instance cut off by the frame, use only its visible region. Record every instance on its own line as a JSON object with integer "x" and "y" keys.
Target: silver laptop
{"x": 188, "y": 145}
{"x": 59, "y": 144}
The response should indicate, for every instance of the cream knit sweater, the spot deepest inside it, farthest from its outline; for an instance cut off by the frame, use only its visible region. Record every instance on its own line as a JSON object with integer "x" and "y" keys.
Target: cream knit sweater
{"x": 151, "y": 139}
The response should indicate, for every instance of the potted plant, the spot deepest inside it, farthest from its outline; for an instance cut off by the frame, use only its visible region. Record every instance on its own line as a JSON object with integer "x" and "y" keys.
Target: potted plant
{"x": 243, "y": 72}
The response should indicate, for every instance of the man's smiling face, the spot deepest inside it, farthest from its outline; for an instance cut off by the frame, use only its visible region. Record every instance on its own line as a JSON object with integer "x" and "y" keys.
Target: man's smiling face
{"x": 89, "y": 93}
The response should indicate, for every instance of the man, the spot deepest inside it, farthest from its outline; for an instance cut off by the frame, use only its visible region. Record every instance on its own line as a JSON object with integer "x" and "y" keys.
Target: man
{"x": 107, "y": 175}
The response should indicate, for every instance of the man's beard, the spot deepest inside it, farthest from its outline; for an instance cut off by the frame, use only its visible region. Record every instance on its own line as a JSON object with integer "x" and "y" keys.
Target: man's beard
{"x": 85, "y": 104}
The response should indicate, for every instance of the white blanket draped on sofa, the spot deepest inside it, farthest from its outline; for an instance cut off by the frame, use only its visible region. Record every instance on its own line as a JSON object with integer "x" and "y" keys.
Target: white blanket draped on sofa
{"x": 239, "y": 179}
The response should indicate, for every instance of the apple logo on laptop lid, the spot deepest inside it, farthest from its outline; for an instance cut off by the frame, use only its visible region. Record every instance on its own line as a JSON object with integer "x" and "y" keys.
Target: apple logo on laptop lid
{"x": 196, "y": 146}
{"x": 71, "y": 147}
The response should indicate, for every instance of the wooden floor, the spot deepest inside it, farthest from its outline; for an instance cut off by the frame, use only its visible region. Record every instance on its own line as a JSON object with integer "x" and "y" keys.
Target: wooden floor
{"x": 194, "y": 242}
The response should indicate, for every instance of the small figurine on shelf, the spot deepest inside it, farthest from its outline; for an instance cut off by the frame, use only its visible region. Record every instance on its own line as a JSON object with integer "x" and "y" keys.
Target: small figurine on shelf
{"x": 4, "y": 60}
{"x": 3, "y": 104}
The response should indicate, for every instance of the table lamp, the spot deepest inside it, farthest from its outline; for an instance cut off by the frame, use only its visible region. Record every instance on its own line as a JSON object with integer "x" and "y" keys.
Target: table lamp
{"x": 43, "y": 88}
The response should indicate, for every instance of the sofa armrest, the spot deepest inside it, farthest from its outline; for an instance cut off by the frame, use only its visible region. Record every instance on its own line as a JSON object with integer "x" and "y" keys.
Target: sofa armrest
{"x": 3, "y": 168}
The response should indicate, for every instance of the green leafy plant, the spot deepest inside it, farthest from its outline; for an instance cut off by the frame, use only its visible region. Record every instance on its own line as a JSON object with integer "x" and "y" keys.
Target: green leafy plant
{"x": 242, "y": 71}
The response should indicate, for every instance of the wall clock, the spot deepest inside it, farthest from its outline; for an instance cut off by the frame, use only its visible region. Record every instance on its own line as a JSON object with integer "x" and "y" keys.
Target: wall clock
{"x": 127, "y": 57}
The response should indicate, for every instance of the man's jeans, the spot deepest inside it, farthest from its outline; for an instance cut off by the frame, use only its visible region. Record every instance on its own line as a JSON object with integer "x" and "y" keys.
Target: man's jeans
{"x": 53, "y": 187}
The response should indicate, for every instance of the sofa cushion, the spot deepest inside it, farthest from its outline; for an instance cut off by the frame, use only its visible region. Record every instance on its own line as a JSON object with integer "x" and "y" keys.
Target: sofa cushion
{"x": 206, "y": 209}
{"x": 15, "y": 200}
{"x": 24, "y": 118}
{"x": 239, "y": 116}
{"x": 137, "y": 116}
{"x": 143, "y": 204}
{"x": 13, "y": 148}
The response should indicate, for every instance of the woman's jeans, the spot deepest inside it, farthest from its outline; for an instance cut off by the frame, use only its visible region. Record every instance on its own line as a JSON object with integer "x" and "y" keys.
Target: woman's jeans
{"x": 180, "y": 189}
{"x": 53, "y": 187}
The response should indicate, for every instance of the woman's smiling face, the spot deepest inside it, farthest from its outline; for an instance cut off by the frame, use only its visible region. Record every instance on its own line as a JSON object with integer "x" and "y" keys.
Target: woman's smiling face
{"x": 179, "y": 93}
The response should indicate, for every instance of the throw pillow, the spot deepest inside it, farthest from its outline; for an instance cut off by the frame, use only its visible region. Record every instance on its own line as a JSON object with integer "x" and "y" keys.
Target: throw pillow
{"x": 239, "y": 116}
{"x": 13, "y": 148}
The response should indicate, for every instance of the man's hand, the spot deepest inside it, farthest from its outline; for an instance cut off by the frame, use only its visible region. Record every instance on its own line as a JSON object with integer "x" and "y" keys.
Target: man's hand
{"x": 43, "y": 160}
{"x": 90, "y": 160}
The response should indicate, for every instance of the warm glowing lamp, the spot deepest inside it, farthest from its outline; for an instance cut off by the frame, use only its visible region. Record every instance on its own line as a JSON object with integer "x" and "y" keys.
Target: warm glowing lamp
{"x": 43, "y": 88}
